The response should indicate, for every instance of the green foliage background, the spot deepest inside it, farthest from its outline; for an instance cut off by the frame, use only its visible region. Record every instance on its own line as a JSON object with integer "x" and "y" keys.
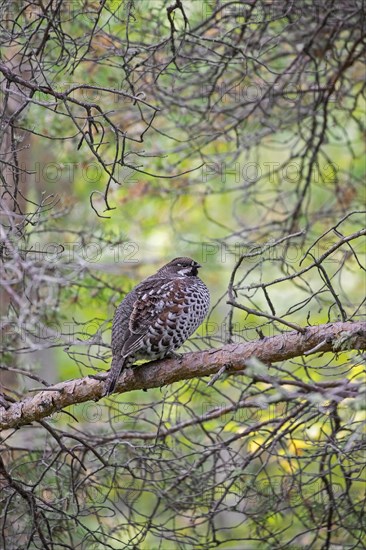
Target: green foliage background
{"x": 257, "y": 135}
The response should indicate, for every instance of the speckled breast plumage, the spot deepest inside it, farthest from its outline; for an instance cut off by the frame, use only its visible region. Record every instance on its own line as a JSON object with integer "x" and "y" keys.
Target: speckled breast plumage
{"x": 157, "y": 316}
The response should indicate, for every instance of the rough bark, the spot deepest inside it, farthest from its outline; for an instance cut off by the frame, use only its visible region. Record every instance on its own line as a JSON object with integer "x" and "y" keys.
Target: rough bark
{"x": 332, "y": 337}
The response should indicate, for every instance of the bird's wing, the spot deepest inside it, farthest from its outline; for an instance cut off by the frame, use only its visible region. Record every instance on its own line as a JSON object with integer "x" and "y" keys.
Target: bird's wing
{"x": 120, "y": 323}
{"x": 154, "y": 307}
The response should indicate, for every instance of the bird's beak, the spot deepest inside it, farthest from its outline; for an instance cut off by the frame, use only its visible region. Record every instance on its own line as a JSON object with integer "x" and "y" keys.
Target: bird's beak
{"x": 197, "y": 265}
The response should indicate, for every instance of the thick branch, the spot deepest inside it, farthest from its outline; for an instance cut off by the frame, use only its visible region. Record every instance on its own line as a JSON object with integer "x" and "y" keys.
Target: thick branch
{"x": 333, "y": 337}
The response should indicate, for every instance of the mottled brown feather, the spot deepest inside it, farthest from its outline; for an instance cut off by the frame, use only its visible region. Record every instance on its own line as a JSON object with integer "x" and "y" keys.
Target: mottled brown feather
{"x": 157, "y": 316}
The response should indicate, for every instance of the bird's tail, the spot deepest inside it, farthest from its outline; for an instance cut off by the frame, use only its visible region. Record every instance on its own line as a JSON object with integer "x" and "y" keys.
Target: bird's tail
{"x": 113, "y": 375}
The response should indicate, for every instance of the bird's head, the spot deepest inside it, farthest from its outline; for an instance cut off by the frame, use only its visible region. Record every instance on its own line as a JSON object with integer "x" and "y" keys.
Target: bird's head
{"x": 182, "y": 267}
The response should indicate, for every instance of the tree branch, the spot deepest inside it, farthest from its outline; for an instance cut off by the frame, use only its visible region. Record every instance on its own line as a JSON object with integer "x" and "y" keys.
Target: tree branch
{"x": 332, "y": 337}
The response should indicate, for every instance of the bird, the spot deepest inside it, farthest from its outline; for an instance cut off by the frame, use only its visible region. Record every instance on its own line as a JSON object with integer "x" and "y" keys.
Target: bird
{"x": 157, "y": 316}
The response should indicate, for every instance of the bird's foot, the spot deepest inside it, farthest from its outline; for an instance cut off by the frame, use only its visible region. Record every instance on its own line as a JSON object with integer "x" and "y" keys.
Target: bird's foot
{"x": 174, "y": 355}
